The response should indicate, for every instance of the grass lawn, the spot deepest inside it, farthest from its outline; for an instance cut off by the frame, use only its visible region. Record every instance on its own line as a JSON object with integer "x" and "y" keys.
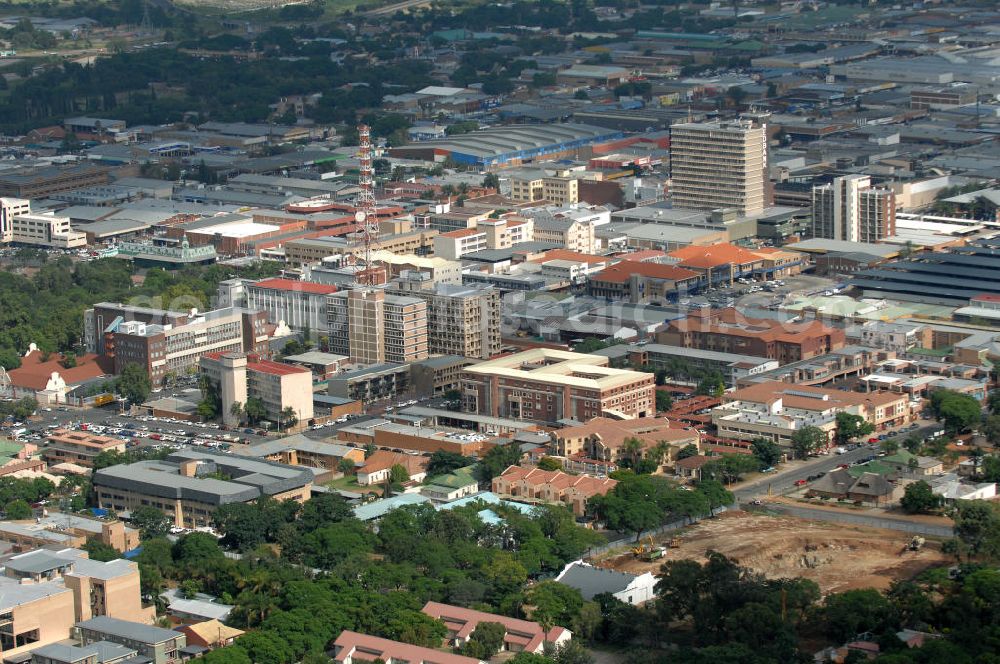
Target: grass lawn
{"x": 350, "y": 483}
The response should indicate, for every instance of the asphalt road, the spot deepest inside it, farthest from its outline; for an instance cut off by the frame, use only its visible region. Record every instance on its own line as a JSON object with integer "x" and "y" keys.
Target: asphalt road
{"x": 778, "y": 483}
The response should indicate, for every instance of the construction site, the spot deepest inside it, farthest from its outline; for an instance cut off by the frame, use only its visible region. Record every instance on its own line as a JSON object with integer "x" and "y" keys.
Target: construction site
{"x": 837, "y": 557}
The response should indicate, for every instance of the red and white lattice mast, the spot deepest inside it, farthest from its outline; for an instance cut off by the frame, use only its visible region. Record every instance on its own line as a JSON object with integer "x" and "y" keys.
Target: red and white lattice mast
{"x": 366, "y": 214}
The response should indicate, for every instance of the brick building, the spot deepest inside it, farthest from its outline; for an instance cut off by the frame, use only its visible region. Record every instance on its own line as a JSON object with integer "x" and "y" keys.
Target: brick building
{"x": 726, "y": 330}
{"x": 548, "y": 385}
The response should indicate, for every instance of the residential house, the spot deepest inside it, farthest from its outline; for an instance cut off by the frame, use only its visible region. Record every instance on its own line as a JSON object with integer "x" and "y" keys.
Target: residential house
{"x": 353, "y": 648}
{"x": 911, "y": 465}
{"x": 456, "y": 484}
{"x": 548, "y": 486}
{"x": 378, "y": 467}
{"x": 605, "y": 439}
{"x": 592, "y": 581}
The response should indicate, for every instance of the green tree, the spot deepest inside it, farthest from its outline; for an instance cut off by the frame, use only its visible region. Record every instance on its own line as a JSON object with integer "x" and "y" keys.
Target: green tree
{"x": 18, "y": 510}
{"x": 398, "y": 474}
{"x": 730, "y": 467}
{"x": 255, "y": 410}
{"x": 442, "y": 463}
{"x": 549, "y": 463}
{"x": 977, "y": 529}
{"x": 663, "y": 401}
{"x": 288, "y": 418}
{"x": 485, "y": 641}
{"x": 491, "y": 181}
{"x": 716, "y": 493}
{"x": 236, "y": 410}
{"x": 989, "y": 468}
{"x": 497, "y": 460}
{"x": 958, "y": 412}
{"x": 150, "y": 521}
{"x": 712, "y": 385}
{"x": 69, "y": 360}
{"x": 134, "y": 383}
{"x": 346, "y": 466}
{"x": 689, "y": 450}
{"x": 847, "y": 614}
{"x": 850, "y": 426}
{"x": 808, "y": 440}
{"x": 573, "y": 652}
{"x": 767, "y": 452}
{"x": 990, "y": 429}
{"x": 993, "y": 402}
{"x": 98, "y": 550}
{"x": 918, "y": 498}
{"x": 551, "y": 604}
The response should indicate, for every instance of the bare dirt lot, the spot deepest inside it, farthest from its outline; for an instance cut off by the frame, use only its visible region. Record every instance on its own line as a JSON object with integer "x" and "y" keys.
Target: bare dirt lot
{"x": 837, "y": 557}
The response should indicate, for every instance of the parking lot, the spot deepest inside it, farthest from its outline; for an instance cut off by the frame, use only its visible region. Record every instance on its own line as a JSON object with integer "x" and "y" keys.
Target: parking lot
{"x": 749, "y": 295}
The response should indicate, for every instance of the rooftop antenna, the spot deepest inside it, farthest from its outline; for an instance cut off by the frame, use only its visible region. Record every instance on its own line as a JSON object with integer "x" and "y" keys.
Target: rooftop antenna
{"x": 366, "y": 215}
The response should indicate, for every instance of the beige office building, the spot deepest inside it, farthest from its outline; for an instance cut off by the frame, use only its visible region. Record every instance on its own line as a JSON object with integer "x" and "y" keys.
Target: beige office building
{"x": 461, "y": 320}
{"x": 851, "y": 209}
{"x": 10, "y": 208}
{"x": 372, "y": 327}
{"x": 277, "y": 385}
{"x": 721, "y": 164}
{"x": 44, "y": 592}
{"x": 528, "y": 186}
{"x": 45, "y": 230}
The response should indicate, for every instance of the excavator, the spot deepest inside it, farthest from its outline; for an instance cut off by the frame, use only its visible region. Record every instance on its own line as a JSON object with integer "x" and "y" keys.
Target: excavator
{"x": 649, "y": 551}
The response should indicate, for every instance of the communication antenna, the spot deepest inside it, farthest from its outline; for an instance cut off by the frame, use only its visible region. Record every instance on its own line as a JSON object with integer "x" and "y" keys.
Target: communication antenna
{"x": 366, "y": 214}
{"x": 146, "y": 25}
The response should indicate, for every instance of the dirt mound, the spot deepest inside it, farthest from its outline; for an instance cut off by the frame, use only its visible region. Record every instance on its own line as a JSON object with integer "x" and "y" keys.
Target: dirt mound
{"x": 837, "y": 557}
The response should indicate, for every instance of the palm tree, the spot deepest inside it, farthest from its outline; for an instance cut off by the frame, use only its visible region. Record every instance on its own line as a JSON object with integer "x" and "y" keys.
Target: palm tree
{"x": 236, "y": 410}
{"x": 632, "y": 450}
{"x": 288, "y": 418}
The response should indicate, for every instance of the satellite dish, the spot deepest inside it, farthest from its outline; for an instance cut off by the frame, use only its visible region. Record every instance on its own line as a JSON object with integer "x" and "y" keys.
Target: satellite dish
{"x": 359, "y": 216}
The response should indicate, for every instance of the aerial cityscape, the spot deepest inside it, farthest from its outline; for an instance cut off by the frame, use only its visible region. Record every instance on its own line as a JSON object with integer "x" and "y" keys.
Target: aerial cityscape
{"x": 499, "y": 332}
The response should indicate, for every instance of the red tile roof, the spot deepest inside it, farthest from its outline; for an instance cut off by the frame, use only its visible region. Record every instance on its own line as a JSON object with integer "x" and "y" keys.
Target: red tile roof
{"x": 714, "y": 255}
{"x": 463, "y": 232}
{"x": 567, "y": 255}
{"x": 641, "y": 256}
{"x": 384, "y": 459}
{"x": 527, "y": 634}
{"x": 297, "y": 286}
{"x": 585, "y": 484}
{"x": 33, "y": 374}
{"x": 363, "y": 648}
{"x": 276, "y": 368}
{"x": 621, "y": 272}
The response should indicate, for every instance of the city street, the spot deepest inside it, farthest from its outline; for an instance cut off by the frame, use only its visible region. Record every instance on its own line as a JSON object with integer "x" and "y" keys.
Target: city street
{"x": 777, "y": 483}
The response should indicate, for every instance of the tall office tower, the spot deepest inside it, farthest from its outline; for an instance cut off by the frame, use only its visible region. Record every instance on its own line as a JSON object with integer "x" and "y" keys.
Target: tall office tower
{"x": 366, "y": 325}
{"x": 851, "y": 209}
{"x": 721, "y": 164}
{"x": 373, "y": 327}
{"x": 461, "y": 320}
